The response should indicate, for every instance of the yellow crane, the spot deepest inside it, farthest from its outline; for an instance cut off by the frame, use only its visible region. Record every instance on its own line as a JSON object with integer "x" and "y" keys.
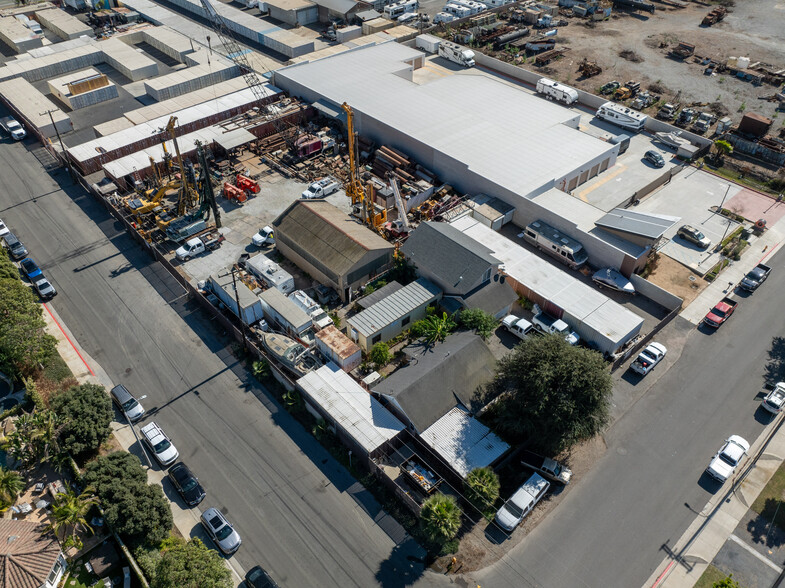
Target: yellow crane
{"x": 188, "y": 196}
{"x": 370, "y": 214}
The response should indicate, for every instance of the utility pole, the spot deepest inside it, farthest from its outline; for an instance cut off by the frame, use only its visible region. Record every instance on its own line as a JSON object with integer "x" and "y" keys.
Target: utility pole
{"x": 59, "y": 138}
{"x": 237, "y": 301}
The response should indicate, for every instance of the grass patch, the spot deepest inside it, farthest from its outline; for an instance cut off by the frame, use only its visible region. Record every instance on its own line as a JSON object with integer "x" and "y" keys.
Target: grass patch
{"x": 709, "y": 577}
{"x": 56, "y": 369}
{"x": 771, "y": 496}
{"x": 80, "y": 577}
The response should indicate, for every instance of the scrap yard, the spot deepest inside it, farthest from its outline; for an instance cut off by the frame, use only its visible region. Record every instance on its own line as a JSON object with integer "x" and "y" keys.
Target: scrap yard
{"x": 343, "y": 219}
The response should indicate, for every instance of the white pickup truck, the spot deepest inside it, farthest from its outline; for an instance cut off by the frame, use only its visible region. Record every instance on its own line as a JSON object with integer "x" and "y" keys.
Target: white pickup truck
{"x": 549, "y": 324}
{"x": 648, "y": 358}
{"x": 198, "y": 245}
{"x": 519, "y": 327}
{"x": 13, "y": 128}
{"x": 727, "y": 459}
{"x": 321, "y": 188}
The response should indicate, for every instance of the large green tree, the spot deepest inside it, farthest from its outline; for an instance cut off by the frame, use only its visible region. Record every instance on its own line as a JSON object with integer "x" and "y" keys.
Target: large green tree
{"x": 551, "y": 394}
{"x": 135, "y": 509}
{"x": 440, "y": 517}
{"x": 11, "y": 485}
{"x": 86, "y": 412}
{"x": 191, "y": 565}
{"x": 7, "y": 268}
{"x": 24, "y": 344}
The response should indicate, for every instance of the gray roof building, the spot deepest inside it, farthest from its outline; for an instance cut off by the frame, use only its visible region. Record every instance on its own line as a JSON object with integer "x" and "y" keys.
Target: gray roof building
{"x": 438, "y": 379}
{"x": 377, "y": 295}
{"x": 330, "y": 245}
{"x": 459, "y": 265}
{"x": 636, "y": 226}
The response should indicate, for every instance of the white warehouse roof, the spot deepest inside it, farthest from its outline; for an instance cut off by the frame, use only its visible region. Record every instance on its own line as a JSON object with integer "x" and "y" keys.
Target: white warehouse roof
{"x": 353, "y": 408}
{"x": 601, "y": 320}
{"x": 514, "y": 139}
{"x": 464, "y": 442}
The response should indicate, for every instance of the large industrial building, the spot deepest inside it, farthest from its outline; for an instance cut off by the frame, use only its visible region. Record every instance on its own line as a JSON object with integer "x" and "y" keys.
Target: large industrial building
{"x": 482, "y": 135}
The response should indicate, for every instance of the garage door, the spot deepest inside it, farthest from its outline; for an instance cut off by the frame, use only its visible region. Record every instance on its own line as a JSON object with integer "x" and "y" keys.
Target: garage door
{"x": 594, "y": 171}
{"x": 308, "y": 15}
{"x": 573, "y": 183}
{"x": 584, "y": 177}
{"x": 604, "y": 165}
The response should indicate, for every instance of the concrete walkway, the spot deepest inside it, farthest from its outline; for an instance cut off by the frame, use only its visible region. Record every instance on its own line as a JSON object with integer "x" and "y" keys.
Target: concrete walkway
{"x": 760, "y": 249}
{"x": 707, "y": 534}
{"x": 87, "y": 370}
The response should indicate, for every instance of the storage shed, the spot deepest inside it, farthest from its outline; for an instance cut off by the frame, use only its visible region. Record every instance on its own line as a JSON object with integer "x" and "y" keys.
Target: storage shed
{"x": 394, "y": 314}
{"x": 331, "y": 246}
{"x": 284, "y": 315}
{"x": 224, "y": 286}
{"x": 338, "y": 348}
{"x": 602, "y": 322}
{"x": 293, "y": 12}
{"x": 359, "y": 420}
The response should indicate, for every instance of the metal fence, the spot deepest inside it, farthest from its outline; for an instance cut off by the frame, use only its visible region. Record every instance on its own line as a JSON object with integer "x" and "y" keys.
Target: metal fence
{"x": 645, "y": 339}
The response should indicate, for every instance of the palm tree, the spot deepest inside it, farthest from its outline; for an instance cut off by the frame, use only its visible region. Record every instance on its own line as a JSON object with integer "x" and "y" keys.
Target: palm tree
{"x": 721, "y": 149}
{"x": 437, "y": 328}
{"x": 69, "y": 513}
{"x": 46, "y": 435}
{"x": 440, "y": 517}
{"x": 11, "y": 484}
{"x": 482, "y": 487}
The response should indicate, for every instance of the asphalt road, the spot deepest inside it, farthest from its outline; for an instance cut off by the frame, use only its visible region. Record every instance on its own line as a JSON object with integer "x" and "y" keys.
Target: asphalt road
{"x": 298, "y": 511}
{"x": 613, "y": 530}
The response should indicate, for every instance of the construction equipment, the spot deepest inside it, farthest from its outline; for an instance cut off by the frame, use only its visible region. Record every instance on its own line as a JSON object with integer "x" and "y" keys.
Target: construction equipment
{"x": 589, "y": 68}
{"x": 188, "y": 196}
{"x": 233, "y": 193}
{"x": 206, "y": 183}
{"x": 715, "y": 16}
{"x": 628, "y": 90}
{"x": 400, "y": 227}
{"x": 610, "y": 87}
{"x": 682, "y": 51}
{"x": 151, "y": 198}
{"x": 635, "y": 4}
{"x": 247, "y": 185}
{"x": 237, "y": 54}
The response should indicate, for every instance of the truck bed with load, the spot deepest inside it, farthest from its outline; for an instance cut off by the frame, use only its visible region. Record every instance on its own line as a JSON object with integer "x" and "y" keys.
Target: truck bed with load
{"x": 755, "y": 277}
{"x": 546, "y": 466}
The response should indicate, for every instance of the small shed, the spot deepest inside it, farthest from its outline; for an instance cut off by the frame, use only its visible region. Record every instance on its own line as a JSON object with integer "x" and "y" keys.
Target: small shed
{"x": 338, "y": 348}
{"x": 392, "y": 315}
{"x": 359, "y": 420}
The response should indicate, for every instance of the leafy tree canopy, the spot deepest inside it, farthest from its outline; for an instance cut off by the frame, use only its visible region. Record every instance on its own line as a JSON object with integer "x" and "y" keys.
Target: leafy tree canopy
{"x": 139, "y": 512}
{"x": 118, "y": 467}
{"x": 551, "y": 393}
{"x": 191, "y": 565}
{"x": 440, "y": 517}
{"x": 480, "y": 321}
{"x": 87, "y": 413}
{"x": 24, "y": 344}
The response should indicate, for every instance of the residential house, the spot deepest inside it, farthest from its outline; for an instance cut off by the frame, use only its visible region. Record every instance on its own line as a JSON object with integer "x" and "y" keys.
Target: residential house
{"x": 467, "y": 271}
{"x": 30, "y": 557}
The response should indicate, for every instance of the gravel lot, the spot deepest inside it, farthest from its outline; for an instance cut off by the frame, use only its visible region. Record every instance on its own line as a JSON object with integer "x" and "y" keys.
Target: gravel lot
{"x": 752, "y": 29}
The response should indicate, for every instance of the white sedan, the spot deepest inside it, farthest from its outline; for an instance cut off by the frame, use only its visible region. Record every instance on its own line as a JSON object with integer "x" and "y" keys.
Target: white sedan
{"x": 727, "y": 459}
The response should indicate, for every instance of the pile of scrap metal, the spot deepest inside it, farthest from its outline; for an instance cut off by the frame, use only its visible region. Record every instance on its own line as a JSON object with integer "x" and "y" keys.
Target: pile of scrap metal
{"x": 589, "y": 68}
{"x": 715, "y": 16}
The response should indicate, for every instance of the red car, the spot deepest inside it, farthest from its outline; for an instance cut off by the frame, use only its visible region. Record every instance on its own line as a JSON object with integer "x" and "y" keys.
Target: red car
{"x": 720, "y": 313}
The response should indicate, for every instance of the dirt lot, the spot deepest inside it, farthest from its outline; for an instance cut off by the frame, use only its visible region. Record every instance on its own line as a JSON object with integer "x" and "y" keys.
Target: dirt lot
{"x": 748, "y": 30}
{"x": 677, "y": 279}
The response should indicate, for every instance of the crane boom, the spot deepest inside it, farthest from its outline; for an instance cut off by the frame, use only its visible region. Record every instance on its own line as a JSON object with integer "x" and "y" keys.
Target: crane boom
{"x": 399, "y": 201}
{"x": 355, "y": 189}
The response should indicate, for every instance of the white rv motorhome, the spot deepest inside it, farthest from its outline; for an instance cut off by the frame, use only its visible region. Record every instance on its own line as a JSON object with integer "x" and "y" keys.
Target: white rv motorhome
{"x": 456, "y": 53}
{"x": 566, "y": 249}
{"x": 457, "y": 10}
{"x": 472, "y": 5}
{"x": 622, "y": 116}
{"x": 397, "y": 9}
{"x": 443, "y": 17}
{"x": 556, "y": 91}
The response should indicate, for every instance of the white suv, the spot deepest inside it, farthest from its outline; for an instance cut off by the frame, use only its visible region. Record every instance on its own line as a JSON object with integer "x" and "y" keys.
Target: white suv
{"x": 155, "y": 438}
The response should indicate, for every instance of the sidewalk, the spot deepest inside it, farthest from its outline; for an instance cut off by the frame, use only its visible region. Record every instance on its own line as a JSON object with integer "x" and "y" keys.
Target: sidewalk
{"x": 760, "y": 248}
{"x": 710, "y": 530}
{"x": 86, "y": 370}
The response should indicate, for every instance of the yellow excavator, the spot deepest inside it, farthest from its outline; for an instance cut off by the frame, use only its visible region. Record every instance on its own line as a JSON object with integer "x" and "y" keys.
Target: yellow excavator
{"x": 363, "y": 205}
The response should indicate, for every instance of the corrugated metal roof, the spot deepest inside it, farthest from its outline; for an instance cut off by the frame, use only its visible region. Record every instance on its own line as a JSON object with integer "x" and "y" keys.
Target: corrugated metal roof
{"x": 352, "y": 408}
{"x": 394, "y": 307}
{"x": 343, "y": 347}
{"x": 328, "y": 234}
{"x": 377, "y": 295}
{"x": 464, "y": 442}
{"x": 374, "y": 81}
{"x": 645, "y": 224}
{"x": 285, "y": 307}
{"x": 602, "y": 318}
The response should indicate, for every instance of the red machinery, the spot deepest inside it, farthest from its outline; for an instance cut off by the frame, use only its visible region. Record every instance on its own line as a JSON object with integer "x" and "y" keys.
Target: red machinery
{"x": 247, "y": 184}
{"x": 234, "y": 194}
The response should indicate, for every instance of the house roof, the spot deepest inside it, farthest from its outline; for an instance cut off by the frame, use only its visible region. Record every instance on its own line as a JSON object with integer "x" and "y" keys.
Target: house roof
{"x": 377, "y": 295}
{"x": 644, "y": 224}
{"x": 26, "y": 556}
{"x": 358, "y": 413}
{"x": 439, "y": 377}
{"x": 455, "y": 261}
{"x": 492, "y": 297}
{"x": 394, "y": 307}
{"x": 464, "y": 442}
{"x": 338, "y": 342}
{"x": 321, "y": 231}
{"x": 290, "y": 5}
